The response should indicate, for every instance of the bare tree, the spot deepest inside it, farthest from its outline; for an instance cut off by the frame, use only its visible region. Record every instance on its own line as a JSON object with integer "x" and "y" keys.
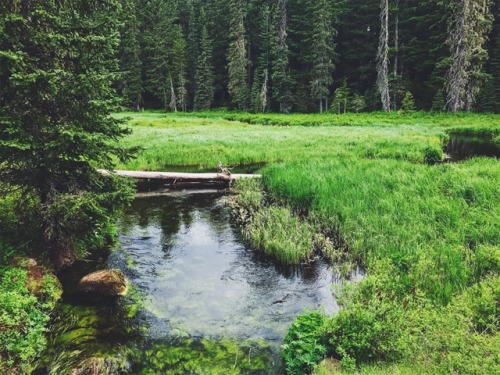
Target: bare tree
{"x": 173, "y": 97}
{"x": 469, "y": 26}
{"x": 383, "y": 57}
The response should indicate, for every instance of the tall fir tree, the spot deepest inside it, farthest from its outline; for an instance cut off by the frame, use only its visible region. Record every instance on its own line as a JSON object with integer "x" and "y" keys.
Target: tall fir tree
{"x": 237, "y": 55}
{"x": 469, "y": 25}
{"x": 130, "y": 57}
{"x": 57, "y": 60}
{"x": 165, "y": 49}
{"x": 204, "y": 69}
{"x": 322, "y": 53}
{"x": 260, "y": 99}
{"x": 281, "y": 80}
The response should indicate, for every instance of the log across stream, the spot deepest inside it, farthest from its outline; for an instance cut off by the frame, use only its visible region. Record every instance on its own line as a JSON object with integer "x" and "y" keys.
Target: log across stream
{"x": 182, "y": 179}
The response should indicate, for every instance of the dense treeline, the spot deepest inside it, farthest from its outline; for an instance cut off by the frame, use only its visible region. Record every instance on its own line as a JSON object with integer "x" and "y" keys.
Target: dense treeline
{"x": 308, "y": 56}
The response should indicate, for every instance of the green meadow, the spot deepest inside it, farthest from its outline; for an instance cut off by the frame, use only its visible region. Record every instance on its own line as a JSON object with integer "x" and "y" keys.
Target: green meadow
{"x": 427, "y": 233}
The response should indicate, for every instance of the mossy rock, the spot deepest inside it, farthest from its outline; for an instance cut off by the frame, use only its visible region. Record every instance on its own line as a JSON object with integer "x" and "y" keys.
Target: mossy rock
{"x": 104, "y": 283}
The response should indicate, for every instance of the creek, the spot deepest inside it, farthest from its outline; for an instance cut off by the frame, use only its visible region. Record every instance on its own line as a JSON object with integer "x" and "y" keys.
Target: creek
{"x": 202, "y": 301}
{"x": 462, "y": 146}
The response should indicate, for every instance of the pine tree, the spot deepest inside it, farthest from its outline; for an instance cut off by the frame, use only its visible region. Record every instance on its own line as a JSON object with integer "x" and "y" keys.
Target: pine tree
{"x": 130, "y": 57}
{"x": 281, "y": 80}
{"x": 439, "y": 101}
{"x": 322, "y": 53}
{"x": 408, "y": 104}
{"x": 261, "y": 83}
{"x": 204, "y": 70}
{"x": 57, "y": 60}
{"x": 237, "y": 55}
{"x": 341, "y": 98}
{"x": 165, "y": 49}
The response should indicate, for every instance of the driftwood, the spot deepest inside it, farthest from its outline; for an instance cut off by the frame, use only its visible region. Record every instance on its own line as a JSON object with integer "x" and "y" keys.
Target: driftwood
{"x": 177, "y": 177}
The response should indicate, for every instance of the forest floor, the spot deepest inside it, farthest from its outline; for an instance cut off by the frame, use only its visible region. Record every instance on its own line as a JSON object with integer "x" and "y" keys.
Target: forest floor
{"x": 427, "y": 232}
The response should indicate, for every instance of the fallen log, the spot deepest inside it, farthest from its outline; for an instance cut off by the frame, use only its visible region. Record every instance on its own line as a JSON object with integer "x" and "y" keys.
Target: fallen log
{"x": 175, "y": 177}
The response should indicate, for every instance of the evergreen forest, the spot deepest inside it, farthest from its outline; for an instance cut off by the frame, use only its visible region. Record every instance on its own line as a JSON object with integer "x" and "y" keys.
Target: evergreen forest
{"x": 311, "y": 56}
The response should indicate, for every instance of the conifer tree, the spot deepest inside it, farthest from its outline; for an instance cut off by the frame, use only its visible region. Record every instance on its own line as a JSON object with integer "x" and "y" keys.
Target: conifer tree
{"x": 322, "y": 53}
{"x": 57, "y": 60}
{"x": 204, "y": 70}
{"x": 261, "y": 83}
{"x": 281, "y": 81}
{"x": 130, "y": 57}
{"x": 165, "y": 48}
{"x": 237, "y": 55}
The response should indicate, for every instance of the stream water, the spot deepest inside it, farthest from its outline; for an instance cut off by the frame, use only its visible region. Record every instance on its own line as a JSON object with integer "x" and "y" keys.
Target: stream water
{"x": 202, "y": 301}
{"x": 465, "y": 146}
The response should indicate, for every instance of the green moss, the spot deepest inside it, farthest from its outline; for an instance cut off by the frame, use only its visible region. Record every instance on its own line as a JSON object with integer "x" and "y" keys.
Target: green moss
{"x": 208, "y": 356}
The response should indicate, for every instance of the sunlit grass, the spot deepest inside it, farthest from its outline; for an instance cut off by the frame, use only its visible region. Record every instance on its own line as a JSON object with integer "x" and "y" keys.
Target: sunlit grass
{"x": 170, "y": 140}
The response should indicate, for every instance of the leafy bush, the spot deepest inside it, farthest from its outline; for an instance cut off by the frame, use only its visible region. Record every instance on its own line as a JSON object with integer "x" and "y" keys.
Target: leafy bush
{"x": 305, "y": 343}
{"x": 432, "y": 155}
{"x": 23, "y": 316}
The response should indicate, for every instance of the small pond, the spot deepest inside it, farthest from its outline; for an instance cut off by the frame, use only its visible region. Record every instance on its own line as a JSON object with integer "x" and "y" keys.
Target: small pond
{"x": 202, "y": 301}
{"x": 464, "y": 146}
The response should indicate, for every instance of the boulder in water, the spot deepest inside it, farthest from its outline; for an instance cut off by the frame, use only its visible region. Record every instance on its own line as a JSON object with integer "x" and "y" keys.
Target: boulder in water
{"x": 97, "y": 366}
{"x": 104, "y": 283}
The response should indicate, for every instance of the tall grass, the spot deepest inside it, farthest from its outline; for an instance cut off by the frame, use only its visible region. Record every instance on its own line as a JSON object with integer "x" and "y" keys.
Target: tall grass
{"x": 435, "y": 224}
{"x": 170, "y": 141}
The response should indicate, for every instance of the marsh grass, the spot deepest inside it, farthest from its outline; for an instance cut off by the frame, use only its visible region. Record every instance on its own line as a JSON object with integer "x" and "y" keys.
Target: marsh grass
{"x": 432, "y": 222}
{"x": 179, "y": 140}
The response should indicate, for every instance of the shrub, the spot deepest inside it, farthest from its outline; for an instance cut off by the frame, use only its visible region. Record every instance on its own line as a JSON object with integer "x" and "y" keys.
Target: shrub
{"x": 432, "y": 155}
{"x": 23, "y": 316}
{"x": 304, "y": 345}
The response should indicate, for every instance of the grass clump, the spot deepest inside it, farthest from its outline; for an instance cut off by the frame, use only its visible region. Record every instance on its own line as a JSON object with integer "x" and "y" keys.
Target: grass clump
{"x": 277, "y": 232}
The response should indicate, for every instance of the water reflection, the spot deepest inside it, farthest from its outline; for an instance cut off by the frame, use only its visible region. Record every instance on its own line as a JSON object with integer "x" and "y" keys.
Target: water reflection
{"x": 198, "y": 279}
{"x": 464, "y": 146}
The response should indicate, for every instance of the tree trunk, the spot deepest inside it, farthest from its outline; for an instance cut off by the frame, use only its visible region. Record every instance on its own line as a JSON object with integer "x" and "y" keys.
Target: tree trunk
{"x": 383, "y": 57}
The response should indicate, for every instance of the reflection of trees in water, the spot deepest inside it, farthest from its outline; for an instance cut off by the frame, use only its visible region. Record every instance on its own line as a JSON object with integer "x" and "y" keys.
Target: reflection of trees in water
{"x": 172, "y": 213}
{"x": 460, "y": 148}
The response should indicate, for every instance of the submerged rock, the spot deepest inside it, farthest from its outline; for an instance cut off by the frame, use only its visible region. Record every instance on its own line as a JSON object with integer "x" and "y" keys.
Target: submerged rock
{"x": 104, "y": 283}
{"x": 97, "y": 366}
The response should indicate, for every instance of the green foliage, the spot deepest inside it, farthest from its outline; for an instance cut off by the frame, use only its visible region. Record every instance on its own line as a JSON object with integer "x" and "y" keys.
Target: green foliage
{"x": 408, "y": 104}
{"x": 341, "y": 102}
{"x": 23, "y": 319}
{"x": 433, "y": 155}
{"x": 237, "y": 56}
{"x": 204, "y": 78}
{"x": 305, "y": 343}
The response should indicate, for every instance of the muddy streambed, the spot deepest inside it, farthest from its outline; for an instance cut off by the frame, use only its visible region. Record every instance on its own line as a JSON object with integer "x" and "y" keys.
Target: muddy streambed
{"x": 201, "y": 302}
